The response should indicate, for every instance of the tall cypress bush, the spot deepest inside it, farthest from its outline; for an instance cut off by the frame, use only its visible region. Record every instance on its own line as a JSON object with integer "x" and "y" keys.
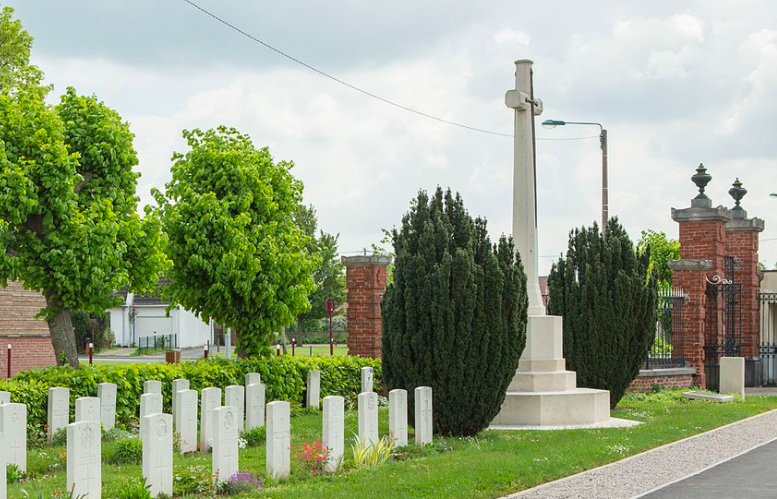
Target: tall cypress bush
{"x": 455, "y": 316}
{"x": 606, "y": 293}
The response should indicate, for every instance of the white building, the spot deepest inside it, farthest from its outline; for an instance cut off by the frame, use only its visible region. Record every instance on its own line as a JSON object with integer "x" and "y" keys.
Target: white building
{"x": 143, "y": 318}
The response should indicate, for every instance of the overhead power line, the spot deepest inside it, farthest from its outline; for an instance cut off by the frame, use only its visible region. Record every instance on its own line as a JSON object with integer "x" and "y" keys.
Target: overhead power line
{"x": 351, "y": 86}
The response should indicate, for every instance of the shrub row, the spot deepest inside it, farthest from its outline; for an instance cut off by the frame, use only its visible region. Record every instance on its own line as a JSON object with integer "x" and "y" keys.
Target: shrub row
{"x": 284, "y": 377}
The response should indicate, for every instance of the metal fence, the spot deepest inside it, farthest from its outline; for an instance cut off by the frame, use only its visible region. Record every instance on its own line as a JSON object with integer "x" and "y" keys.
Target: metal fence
{"x": 157, "y": 342}
{"x": 768, "y": 307}
{"x": 668, "y": 349}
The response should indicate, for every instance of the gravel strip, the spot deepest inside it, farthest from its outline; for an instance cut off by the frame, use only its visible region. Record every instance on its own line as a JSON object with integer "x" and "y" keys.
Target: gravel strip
{"x": 644, "y": 472}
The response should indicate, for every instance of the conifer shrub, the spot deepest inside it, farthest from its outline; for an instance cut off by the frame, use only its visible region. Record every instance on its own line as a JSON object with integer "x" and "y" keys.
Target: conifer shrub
{"x": 607, "y": 294}
{"x": 455, "y": 316}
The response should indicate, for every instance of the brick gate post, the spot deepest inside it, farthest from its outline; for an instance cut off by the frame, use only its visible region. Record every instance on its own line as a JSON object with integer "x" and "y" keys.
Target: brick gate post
{"x": 366, "y": 282}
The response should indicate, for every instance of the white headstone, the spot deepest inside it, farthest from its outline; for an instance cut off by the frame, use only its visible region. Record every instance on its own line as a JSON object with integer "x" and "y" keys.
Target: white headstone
{"x": 186, "y": 420}
{"x": 58, "y": 410}
{"x": 84, "y": 472}
{"x": 225, "y": 437}
{"x": 157, "y": 437}
{"x": 87, "y": 409}
{"x": 368, "y": 418}
{"x": 278, "y": 454}
{"x": 5, "y": 397}
{"x": 150, "y": 403}
{"x": 13, "y": 425}
{"x": 177, "y": 386}
{"x": 255, "y": 398}
{"x": 398, "y": 417}
{"x": 211, "y": 399}
{"x": 423, "y": 415}
{"x": 314, "y": 388}
{"x": 152, "y": 386}
{"x": 3, "y": 465}
{"x": 732, "y": 376}
{"x": 334, "y": 434}
{"x": 253, "y": 379}
{"x": 366, "y": 379}
{"x": 106, "y": 392}
{"x": 235, "y": 395}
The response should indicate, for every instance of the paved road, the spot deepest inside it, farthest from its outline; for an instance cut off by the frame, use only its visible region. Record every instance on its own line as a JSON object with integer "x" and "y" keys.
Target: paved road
{"x": 186, "y": 354}
{"x": 749, "y": 476}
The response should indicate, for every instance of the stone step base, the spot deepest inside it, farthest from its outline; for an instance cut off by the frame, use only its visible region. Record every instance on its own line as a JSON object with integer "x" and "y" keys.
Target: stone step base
{"x": 553, "y": 381}
{"x": 578, "y": 406}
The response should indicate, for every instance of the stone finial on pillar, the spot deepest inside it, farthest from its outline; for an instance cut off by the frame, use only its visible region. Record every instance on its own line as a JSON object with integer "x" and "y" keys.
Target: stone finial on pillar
{"x": 366, "y": 279}
{"x": 701, "y": 178}
{"x": 738, "y": 192}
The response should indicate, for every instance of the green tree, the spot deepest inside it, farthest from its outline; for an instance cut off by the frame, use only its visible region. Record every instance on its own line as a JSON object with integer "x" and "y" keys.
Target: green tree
{"x": 606, "y": 293}
{"x": 328, "y": 276}
{"x": 237, "y": 252}
{"x": 661, "y": 250}
{"x": 68, "y": 221}
{"x": 455, "y": 316}
{"x": 15, "y": 47}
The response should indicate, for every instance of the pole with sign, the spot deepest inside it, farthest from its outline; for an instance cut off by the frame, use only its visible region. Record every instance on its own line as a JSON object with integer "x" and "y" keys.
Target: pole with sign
{"x": 330, "y": 309}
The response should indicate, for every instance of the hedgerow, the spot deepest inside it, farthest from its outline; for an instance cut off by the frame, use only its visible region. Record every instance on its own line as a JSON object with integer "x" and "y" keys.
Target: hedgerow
{"x": 283, "y": 376}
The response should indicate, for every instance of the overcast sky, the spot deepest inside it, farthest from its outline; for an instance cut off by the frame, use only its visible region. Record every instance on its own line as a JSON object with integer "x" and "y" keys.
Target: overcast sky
{"x": 675, "y": 83}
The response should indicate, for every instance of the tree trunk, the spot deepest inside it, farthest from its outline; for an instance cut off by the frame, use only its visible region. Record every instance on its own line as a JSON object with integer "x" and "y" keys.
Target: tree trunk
{"x": 63, "y": 337}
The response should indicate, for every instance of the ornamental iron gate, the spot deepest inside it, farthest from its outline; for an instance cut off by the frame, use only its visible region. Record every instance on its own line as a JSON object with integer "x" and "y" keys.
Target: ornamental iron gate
{"x": 723, "y": 321}
{"x": 768, "y": 311}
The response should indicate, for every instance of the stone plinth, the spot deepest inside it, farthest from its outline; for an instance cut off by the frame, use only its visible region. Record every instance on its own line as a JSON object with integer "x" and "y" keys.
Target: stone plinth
{"x": 366, "y": 282}
{"x": 543, "y": 393}
{"x": 732, "y": 376}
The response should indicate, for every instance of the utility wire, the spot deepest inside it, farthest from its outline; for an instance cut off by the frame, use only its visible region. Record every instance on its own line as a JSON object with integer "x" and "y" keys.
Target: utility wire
{"x": 351, "y": 86}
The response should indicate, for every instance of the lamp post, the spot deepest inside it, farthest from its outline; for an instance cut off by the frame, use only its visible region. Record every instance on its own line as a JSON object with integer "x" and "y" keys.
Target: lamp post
{"x": 603, "y": 142}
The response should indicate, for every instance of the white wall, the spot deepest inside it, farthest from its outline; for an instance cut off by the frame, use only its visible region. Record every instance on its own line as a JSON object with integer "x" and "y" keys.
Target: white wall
{"x": 192, "y": 332}
{"x": 153, "y": 319}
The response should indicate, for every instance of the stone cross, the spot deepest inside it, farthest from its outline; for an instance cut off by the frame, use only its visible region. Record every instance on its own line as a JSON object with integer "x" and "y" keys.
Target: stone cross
{"x": 87, "y": 409}
{"x": 314, "y": 388}
{"x": 150, "y": 403}
{"x": 368, "y": 418}
{"x": 152, "y": 386}
{"x": 524, "y": 180}
{"x": 84, "y": 472}
{"x": 5, "y": 397}
{"x": 106, "y": 392}
{"x": 13, "y": 425}
{"x": 186, "y": 420}
{"x": 278, "y": 436}
{"x": 157, "y": 438}
{"x": 398, "y": 417}
{"x": 366, "y": 373}
{"x": 255, "y": 399}
{"x": 423, "y": 415}
{"x": 253, "y": 378}
{"x": 333, "y": 434}
{"x": 58, "y": 410}
{"x": 178, "y": 385}
{"x": 235, "y": 395}
{"x": 225, "y": 458}
{"x": 211, "y": 399}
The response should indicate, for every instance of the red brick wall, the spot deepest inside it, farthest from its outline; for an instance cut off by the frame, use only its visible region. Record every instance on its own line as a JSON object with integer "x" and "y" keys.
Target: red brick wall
{"x": 646, "y": 383}
{"x": 19, "y": 327}
{"x": 366, "y": 285}
{"x": 744, "y": 247}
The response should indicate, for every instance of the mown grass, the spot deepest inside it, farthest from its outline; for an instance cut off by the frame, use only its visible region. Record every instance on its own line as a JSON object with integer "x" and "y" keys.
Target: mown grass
{"x": 490, "y": 465}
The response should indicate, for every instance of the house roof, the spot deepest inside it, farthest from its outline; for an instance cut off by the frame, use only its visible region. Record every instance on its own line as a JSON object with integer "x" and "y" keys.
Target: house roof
{"x": 151, "y": 298}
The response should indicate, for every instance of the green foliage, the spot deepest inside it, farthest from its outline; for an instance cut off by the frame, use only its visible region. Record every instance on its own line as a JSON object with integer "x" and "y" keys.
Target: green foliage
{"x": 284, "y": 377}
{"x": 237, "y": 253}
{"x": 369, "y": 454}
{"x": 455, "y": 316}
{"x": 134, "y": 489}
{"x": 194, "y": 479}
{"x": 661, "y": 250}
{"x": 254, "y": 437}
{"x": 126, "y": 451}
{"x": 91, "y": 327}
{"x": 13, "y": 473}
{"x": 59, "y": 437}
{"x": 15, "y": 47}
{"x": 606, "y": 293}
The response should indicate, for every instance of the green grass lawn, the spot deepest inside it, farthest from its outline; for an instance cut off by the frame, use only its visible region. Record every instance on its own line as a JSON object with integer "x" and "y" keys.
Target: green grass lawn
{"x": 489, "y": 466}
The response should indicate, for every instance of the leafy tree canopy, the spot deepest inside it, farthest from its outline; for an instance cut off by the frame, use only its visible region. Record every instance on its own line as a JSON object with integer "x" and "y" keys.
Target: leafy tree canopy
{"x": 237, "y": 253}
{"x": 15, "y": 47}
{"x": 662, "y": 250}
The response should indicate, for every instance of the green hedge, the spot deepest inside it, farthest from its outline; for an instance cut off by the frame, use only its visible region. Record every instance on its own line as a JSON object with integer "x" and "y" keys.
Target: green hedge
{"x": 284, "y": 377}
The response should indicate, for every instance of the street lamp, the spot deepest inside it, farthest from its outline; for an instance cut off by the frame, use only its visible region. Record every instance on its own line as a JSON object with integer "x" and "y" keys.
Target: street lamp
{"x": 550, "y": 124}
{"x": 773, "y": 194}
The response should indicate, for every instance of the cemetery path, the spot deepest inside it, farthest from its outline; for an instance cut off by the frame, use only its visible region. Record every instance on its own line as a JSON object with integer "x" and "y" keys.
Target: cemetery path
{"x": 750, "y": 476}
{"x": 644, "y": 473}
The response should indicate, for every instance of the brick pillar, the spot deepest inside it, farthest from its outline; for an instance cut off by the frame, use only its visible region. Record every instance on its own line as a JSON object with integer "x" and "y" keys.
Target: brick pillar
{"x": 702, "y": 249}
{"x": 742, "y": 244}
{"x": 366, "y": 281}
